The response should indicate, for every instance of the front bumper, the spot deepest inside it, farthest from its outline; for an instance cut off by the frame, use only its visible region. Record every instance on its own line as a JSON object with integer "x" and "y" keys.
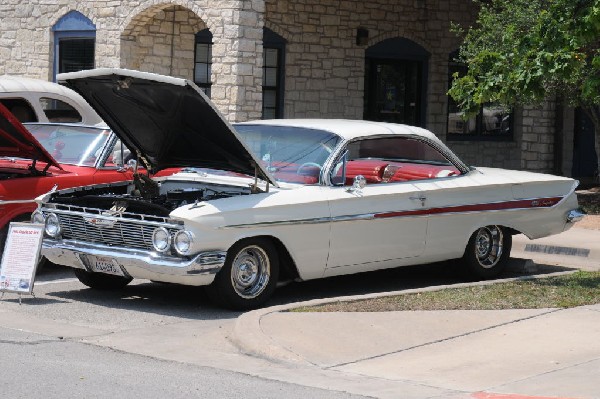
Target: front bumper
{"x": 197, "y": 270}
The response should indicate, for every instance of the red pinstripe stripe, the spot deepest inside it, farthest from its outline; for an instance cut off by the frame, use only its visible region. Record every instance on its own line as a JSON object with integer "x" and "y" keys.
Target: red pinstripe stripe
{"x": 496, "y": 206}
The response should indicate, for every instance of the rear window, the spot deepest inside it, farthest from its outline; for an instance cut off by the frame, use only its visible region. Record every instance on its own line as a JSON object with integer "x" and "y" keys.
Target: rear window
{"x": 20, "y": 108}
{"x": 59, "y": 111}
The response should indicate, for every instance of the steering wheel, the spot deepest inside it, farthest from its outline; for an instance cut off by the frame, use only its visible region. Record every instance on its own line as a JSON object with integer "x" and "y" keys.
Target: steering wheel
{"x": 306, "y": 165}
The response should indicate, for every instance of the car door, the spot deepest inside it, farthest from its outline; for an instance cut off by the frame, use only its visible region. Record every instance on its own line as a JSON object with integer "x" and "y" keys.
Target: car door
{"x": 374, "y": 227}
{"x": 384, "y": 224}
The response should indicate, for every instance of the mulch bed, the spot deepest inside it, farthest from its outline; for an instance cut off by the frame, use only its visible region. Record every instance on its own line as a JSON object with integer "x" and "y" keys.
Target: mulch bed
{"x": 589, "y": 200}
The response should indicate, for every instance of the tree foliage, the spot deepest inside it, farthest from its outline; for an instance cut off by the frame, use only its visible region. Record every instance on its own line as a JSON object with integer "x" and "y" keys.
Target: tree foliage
{"x": 525, "y": 51}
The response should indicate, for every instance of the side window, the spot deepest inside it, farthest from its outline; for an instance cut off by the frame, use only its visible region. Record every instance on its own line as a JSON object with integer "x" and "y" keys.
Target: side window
{"x": 59, "y": 111}
{"x": 20, "y": 108}
{"x": 119, "y": 156}
{"x": 394, "y": 159}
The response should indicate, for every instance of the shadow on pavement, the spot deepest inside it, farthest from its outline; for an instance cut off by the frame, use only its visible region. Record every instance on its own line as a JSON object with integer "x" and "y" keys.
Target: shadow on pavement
{"x": 192, "y": 303}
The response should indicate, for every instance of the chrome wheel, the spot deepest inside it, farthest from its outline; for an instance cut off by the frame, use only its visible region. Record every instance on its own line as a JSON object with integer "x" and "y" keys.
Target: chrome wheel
{"x": 488, "y": 246}
{"x": 250, "y": 271}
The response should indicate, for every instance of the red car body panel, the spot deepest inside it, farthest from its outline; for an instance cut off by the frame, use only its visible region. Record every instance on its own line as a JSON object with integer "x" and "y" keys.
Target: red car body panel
{"x": 34, "y": 171}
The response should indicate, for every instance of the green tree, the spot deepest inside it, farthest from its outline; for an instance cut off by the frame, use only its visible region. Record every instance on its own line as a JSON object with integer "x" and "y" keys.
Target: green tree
{"x": 526, "y": 51}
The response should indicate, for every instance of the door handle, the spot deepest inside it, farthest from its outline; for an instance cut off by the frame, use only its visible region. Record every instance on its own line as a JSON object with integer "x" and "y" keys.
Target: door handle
{"x": 420, "y": 197}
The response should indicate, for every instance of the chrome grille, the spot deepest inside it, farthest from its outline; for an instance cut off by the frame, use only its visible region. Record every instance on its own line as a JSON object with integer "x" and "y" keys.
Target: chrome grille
{"x": 113, "y": 230}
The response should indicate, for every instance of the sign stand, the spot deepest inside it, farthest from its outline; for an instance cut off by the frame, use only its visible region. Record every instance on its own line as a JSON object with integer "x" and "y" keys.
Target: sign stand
{"x": 20, "y": 258}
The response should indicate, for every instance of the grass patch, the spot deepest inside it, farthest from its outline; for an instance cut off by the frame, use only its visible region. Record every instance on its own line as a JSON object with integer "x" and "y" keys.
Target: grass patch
{"x": 577, "y": 289}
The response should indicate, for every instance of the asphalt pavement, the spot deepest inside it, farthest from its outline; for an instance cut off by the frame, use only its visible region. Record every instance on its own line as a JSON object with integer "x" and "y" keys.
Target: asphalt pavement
{"x": 521, "y": 353}
{"x": 509, "y": 354}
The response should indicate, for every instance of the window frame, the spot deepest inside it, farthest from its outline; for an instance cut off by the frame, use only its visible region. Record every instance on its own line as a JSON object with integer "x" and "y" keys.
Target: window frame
{"x": 72, "y": 26}
{"x": 204, "y": 37}
{"x": 455, "y": 66}
{"x": 272, "y": 40}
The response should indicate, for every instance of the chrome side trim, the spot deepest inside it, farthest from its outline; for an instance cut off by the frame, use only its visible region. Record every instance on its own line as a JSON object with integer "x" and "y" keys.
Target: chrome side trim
{"x": 574, "y": 216}
{"x": 209, "y": 262}
{"x": 418, "y": 212}
{"x": 278, "y": 223}
{"x": 16, "y": 201}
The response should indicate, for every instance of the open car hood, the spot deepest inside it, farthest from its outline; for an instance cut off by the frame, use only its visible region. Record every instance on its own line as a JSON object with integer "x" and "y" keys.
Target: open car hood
{"x": 169, "y": 122}
{"x": 17, "y": 141}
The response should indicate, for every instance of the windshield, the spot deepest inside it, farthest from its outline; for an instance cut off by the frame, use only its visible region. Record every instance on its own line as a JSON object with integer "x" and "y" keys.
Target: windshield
{"x": 71, "y": 144}
{"x": 291, "y": 154}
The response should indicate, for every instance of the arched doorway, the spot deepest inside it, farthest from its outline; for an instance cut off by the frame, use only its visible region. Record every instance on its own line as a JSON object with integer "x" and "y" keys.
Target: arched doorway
{"x": 162, "y": 39}
{"x": 396, "y": 82}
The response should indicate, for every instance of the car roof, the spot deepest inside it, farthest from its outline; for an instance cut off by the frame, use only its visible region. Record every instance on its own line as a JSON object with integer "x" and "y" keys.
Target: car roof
{"x": 12, "y": 84}
{"x": 18, "y": 85}
{"x": 348, "y": 129}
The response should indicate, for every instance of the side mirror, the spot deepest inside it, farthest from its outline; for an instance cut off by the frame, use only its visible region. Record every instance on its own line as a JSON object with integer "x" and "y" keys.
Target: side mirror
{"x": 131, "y": 165}
{"x": 359, "y": 183}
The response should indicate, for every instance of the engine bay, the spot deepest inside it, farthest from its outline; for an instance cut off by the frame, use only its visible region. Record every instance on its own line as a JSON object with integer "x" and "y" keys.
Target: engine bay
{"x": 146, "y": 196}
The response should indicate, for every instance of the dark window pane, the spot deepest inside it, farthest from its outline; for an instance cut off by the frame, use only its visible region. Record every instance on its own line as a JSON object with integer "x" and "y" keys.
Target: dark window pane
{"x": 493, "y": 122}
{"x": 273, "y": 72}
{"x": 20, "y": 108}
{"x": 59, "y": 111}
{"x": 75, "y": 54}
{"x": 202, "y": 73}
{"x": 270, "y": 77}
{"x": 271, "y": 55}
{"x": 269, "y": 113}
{"x": 202, "y": 53}
{"x": 203, "y": 58}
{"x": 270, "y": 98}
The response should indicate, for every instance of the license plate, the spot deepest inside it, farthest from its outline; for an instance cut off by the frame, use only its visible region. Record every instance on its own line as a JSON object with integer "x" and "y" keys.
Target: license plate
{"x": 103, "y": 264}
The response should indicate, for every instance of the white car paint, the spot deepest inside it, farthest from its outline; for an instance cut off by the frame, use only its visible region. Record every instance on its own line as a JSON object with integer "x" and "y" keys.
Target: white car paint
{"x": 33, "y": 90}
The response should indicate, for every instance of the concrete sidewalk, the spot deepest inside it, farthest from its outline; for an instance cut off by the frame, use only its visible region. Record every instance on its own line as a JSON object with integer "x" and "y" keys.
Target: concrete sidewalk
{"x": 448, "y": 354}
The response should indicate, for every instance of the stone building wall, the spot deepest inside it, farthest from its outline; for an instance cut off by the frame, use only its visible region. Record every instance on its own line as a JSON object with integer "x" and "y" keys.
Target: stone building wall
{"x": 139, "y": 34}
{"x": 324, "y": 67}
{"x": 537, "y": 143}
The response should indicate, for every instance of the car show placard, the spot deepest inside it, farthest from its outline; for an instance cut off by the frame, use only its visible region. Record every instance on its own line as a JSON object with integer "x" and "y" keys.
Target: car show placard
{"x": 20, "y": 257}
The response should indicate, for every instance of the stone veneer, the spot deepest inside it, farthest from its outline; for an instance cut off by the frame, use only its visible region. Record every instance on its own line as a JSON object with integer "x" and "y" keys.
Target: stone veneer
{"x": 324, "y": 68}
{"x": 139, "y": 34}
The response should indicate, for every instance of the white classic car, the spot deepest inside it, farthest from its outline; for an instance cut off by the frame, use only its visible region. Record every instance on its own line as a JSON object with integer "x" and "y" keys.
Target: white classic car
{"x": 35, "y": 100}
{"x": 268, "y": 201}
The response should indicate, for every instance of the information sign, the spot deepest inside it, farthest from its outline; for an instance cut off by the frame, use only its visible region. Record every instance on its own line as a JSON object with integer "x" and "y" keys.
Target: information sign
{"x": 20, "y": 257}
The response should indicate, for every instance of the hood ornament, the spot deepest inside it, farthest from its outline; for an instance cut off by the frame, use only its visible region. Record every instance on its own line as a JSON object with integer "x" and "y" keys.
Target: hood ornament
{"x": 115, "y": 211}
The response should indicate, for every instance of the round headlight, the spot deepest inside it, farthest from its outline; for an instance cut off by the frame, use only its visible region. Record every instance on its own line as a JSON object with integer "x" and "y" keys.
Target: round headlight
{"x": 161, "y": 239}
{"x": 183, "y": 242}
{"x": 52, "y": 225}
{"x": 38, "y": 217}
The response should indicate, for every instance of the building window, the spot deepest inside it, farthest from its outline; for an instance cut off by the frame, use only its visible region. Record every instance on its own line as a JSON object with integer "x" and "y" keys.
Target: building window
{"x": 74, "y": 43}
{"x": 493, "y": 122}
{"x": 203, "y": 60}
{"x": 273, "y": 67}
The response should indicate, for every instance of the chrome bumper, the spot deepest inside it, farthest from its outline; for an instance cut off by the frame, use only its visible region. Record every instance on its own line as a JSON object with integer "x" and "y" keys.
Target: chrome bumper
{"x": 73, "y": 253}
{"x": 574, "y": 216}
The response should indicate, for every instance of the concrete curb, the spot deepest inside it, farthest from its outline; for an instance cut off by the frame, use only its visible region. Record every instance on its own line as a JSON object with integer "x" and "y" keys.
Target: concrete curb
{"x": 250, "y": 339}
